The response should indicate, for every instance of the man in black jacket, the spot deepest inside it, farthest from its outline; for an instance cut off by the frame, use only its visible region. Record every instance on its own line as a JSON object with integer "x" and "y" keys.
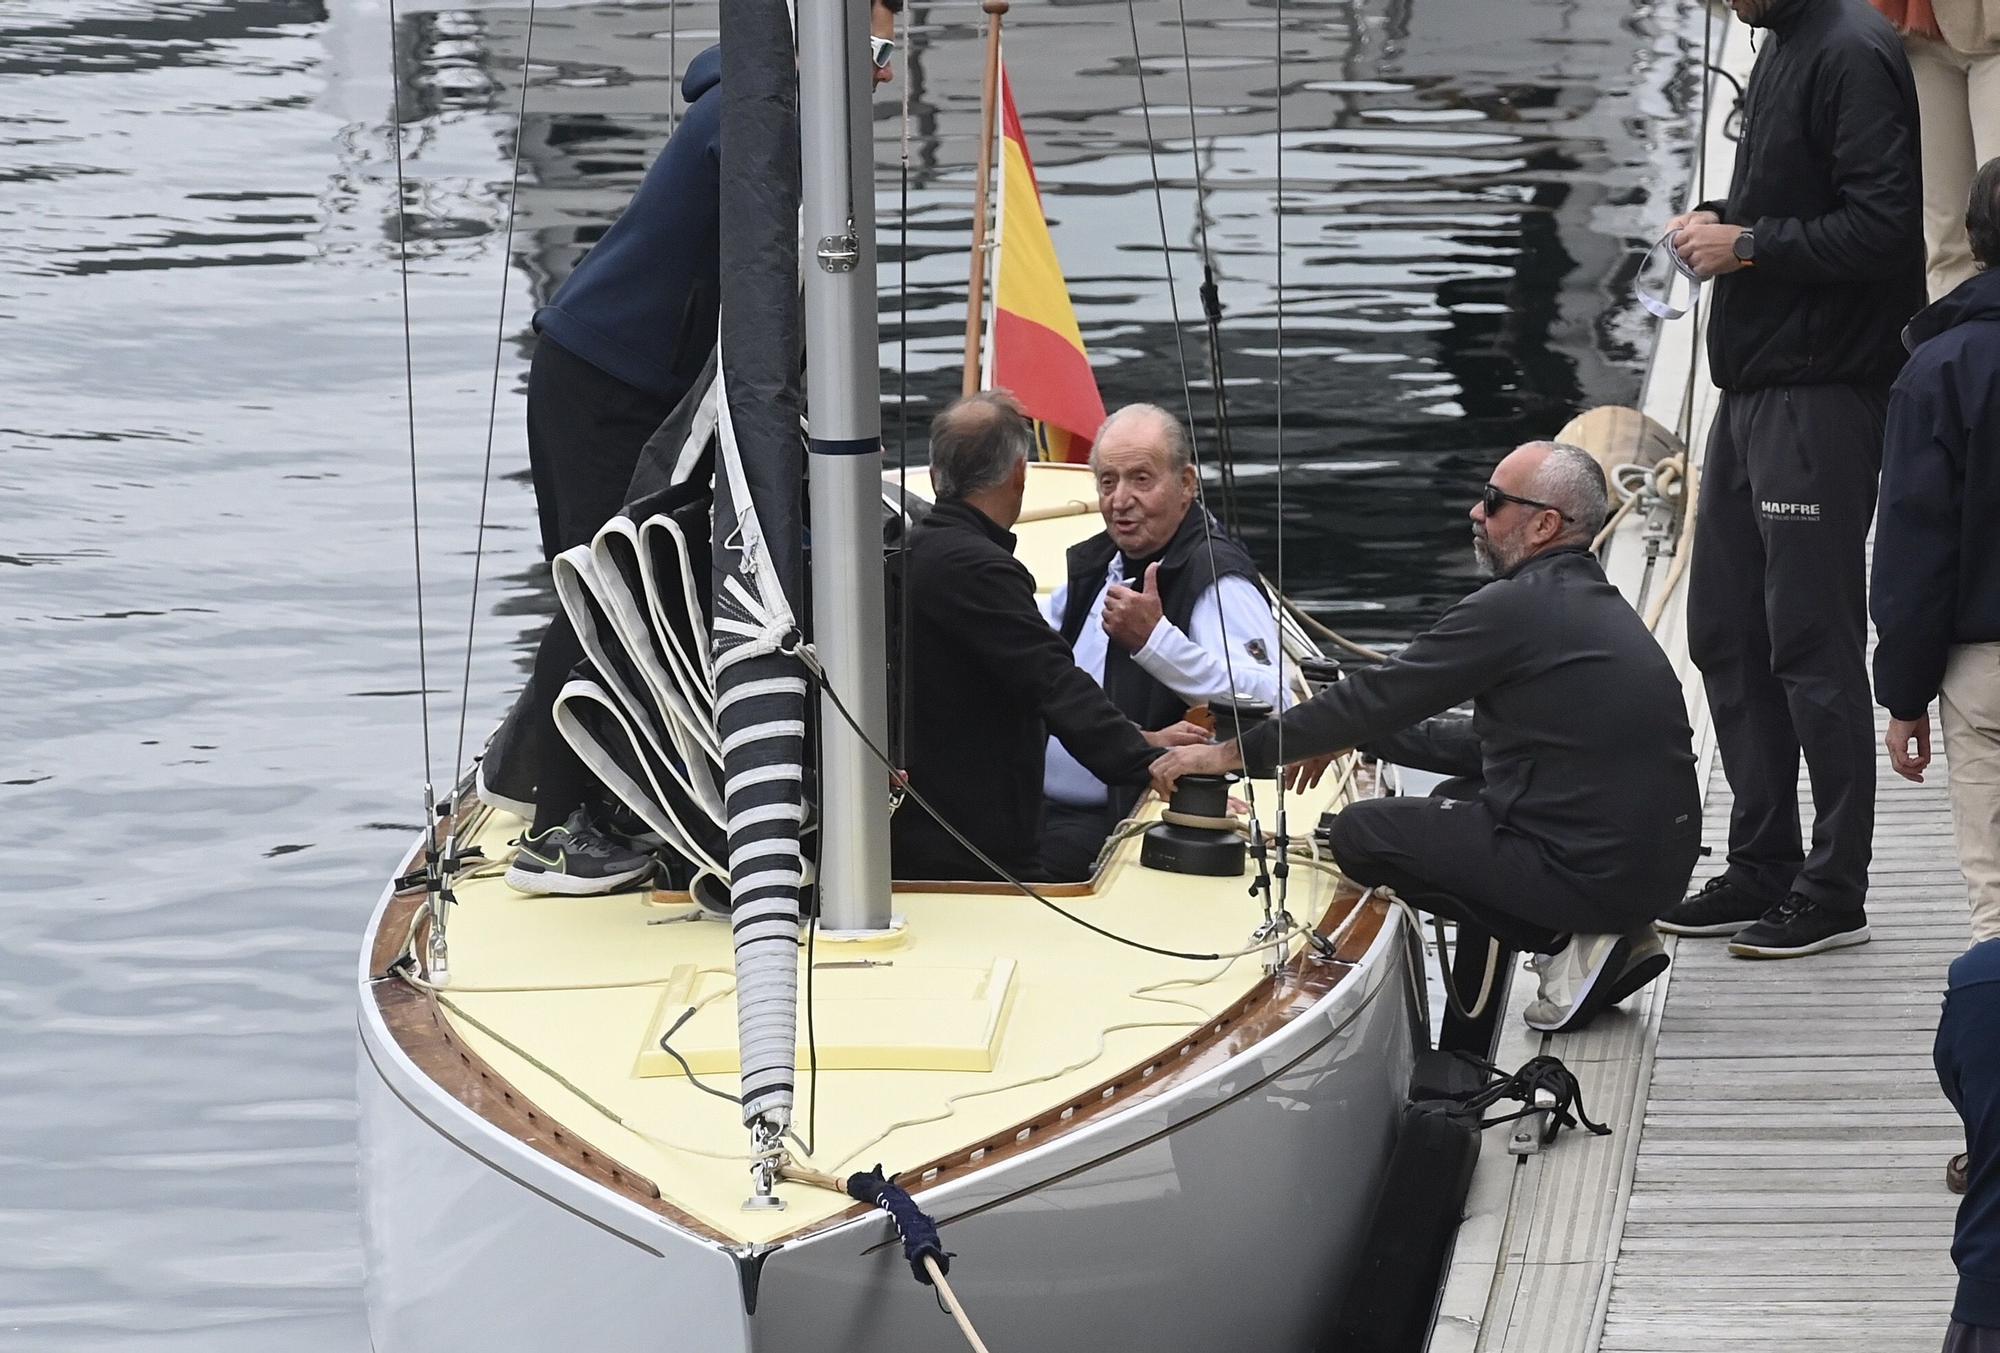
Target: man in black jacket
{"x": 1576, "y": 818}
{"x": 989, "y": 680}
{"x": 1936, "y": 598}
{"x": 1818, "y": 256}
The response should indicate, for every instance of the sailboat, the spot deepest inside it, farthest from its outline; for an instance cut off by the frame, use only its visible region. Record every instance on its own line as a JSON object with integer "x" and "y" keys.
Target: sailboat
{"x": 1150, "y": 1110}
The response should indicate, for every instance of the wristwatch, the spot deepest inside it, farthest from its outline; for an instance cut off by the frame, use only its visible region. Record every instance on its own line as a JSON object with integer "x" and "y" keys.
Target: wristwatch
{"x": 1745, "y": 249}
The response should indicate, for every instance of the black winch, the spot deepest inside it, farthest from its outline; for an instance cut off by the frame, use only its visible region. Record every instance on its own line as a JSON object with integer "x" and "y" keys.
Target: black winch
{"x": 1180, "y": 848}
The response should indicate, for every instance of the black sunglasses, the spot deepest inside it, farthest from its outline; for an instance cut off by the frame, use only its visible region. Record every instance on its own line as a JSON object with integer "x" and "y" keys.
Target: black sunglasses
{"x": 1491, "y": 498}
{"x": 880, "y": 50}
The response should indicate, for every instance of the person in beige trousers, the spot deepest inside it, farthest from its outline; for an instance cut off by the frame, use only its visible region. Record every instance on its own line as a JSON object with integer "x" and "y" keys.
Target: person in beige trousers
{"x": 1954, "y": 48}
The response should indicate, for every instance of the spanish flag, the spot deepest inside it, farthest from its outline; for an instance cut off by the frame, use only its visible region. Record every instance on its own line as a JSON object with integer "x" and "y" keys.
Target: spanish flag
{"x": 1036, "y": 350}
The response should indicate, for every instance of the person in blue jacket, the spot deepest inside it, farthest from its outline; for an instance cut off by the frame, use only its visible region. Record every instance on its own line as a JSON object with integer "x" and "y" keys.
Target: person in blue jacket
{"x": 1936, "y": 598}
{"x": 623, "y": 339}
{"x": 1967, "y": 1055}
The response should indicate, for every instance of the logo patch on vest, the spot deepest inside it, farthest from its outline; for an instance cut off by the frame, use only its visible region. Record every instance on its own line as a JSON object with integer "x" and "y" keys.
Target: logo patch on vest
{"x": 1255, "y": 648}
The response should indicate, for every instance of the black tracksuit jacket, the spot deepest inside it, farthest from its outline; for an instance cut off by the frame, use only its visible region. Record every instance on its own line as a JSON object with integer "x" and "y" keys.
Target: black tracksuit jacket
{"x": 990, "y": 682}
{"x": 1829, "y": 178}
{"x": 1579, "y": 728}
{"x": 1937, "y": 531}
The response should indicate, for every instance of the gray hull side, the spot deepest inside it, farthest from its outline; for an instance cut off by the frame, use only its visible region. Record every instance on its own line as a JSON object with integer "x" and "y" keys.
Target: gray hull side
{"x": 1234, "y": 1221}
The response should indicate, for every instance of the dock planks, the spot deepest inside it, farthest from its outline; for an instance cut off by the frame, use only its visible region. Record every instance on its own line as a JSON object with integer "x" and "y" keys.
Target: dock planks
{"x": 1776, "y": 1176}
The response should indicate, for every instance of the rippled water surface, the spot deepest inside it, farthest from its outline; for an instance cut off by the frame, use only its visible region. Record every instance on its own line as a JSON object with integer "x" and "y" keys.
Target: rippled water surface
{"x": 210, "y": 746}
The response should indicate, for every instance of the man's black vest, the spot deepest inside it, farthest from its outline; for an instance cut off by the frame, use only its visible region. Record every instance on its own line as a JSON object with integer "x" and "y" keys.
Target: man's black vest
{"x": 1185, "y": 573}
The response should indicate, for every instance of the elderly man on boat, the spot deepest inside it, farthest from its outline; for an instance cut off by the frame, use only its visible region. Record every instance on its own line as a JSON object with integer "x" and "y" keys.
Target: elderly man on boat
{"x": 1162, "y": 608}
{"x": 1574, "y": 817}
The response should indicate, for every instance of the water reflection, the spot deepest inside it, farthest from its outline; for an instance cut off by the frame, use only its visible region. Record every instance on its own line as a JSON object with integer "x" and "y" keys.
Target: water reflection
{"x": 213, "y": 747}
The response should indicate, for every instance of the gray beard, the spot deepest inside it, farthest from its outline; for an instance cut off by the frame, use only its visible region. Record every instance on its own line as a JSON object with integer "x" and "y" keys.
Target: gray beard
{"x": 1483, "y": 558}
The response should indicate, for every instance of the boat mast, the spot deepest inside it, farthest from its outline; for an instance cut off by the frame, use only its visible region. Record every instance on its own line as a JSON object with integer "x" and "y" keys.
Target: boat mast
{"x": 989, "y": 104}
{"x": 844, "y": 420}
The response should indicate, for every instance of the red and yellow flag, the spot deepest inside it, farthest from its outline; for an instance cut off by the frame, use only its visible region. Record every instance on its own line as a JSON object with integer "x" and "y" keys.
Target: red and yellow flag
{"x": 1036, "y": 348}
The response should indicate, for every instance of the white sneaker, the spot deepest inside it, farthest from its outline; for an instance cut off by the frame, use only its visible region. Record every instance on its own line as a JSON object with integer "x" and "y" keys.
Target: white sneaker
{"x": 1577, "y": 982}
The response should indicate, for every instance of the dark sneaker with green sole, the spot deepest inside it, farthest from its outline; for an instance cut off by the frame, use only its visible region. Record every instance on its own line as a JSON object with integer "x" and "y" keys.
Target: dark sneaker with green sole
{"x": 1799, "y": 926}
{"x": 1718, "y": 908}
{"x": 576, "y": 860}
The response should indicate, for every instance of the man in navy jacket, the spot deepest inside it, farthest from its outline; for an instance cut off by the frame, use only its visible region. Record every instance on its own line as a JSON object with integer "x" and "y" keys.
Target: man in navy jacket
{"x": 621, "y": 341}
{"x": 1936, "y": 597}
{"x": 1967, "y": 1055}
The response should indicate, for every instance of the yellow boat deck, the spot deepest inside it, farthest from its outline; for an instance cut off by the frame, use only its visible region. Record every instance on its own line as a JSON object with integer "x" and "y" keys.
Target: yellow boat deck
{"x": 987, "y": 1011}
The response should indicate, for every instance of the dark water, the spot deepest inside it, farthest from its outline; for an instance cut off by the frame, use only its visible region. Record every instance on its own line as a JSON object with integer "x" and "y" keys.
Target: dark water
{"x": 212, "y": 751}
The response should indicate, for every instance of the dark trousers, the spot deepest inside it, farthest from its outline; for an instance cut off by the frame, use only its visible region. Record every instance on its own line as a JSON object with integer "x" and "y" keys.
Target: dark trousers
{"x": 585, "y": 432}
{"x": 1963, "y": 1338}
{"x": 1777, "y": 623}
{"x": 1448, "y": 855}
{"x": 1070, "y": 840}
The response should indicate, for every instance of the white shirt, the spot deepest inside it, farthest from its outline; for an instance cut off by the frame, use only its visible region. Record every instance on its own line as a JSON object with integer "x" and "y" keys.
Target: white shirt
{"x": 1192, "y": 666}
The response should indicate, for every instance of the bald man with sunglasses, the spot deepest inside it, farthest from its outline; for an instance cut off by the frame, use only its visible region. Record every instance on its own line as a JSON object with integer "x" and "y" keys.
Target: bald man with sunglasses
{"x": 1573, "y": 817}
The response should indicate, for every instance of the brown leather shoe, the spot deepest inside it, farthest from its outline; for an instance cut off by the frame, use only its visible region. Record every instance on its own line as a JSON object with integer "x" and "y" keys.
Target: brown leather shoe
{"x": 1954, "y": 1173}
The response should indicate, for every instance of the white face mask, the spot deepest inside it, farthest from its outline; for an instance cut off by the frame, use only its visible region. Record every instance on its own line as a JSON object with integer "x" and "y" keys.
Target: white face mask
{"x": 1665, "y": 285}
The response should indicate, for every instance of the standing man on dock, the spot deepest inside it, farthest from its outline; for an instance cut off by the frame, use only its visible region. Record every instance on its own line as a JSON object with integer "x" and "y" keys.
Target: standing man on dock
{"x": 1818, "y": 256}
{"x": 1937, "y": 564}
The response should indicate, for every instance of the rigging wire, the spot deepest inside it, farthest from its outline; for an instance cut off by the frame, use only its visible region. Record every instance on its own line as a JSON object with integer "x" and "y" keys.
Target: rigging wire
{"x": 1187, "y": 396}
{"x": 1026, "y": 889}
{"x": 1280, "y": 875}
{"x": 1685, "y": 422}
{"x": 410, "y": 401}
{"x": 493, "y": 395}
{"x": 1211, "y": 297}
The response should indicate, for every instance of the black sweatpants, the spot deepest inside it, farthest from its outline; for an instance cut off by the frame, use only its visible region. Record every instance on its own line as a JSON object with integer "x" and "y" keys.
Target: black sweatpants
{"x": 1447, "y": 854}
{"x": 1778, "y": 625}
{"x": 585, "y": 432}
{"x": 1070, "y": 839}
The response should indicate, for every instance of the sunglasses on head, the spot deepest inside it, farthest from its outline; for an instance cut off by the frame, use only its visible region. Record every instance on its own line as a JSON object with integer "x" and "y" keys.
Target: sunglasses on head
{"x": 1492, "y": 498}
{"x": 880, "y": 51}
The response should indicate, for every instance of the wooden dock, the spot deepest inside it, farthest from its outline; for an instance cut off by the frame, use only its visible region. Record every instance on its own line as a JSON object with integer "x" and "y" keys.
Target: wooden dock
{"x": 1775, "y": 1177}
{"x": 1776, "y": 1174}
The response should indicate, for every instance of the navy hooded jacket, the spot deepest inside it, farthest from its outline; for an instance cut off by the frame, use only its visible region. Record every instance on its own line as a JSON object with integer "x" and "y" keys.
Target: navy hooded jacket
{"x": 1968, "y": 1067}
{"x": 1937, "y": 547}
{"x": 642, "y": 304}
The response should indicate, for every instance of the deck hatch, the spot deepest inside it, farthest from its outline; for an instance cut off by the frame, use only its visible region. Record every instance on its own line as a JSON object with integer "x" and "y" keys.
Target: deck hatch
{"x": 889, "y": 1016}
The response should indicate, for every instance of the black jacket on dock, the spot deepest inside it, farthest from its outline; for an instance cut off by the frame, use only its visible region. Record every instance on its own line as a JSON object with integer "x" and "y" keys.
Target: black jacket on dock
{"x": 1937, "y": 554}
{"x": 1828, "y": 177}
{"x": 989, "y": 683}
{"x": 1579, "y": 726}
{"x": 1967, "y": 1056}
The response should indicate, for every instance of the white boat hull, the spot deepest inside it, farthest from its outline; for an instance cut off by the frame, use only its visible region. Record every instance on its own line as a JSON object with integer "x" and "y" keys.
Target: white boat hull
{"x": 1224, "y": 1212}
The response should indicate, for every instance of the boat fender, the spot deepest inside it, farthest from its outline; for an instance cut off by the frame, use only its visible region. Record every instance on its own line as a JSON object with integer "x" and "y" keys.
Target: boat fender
{"x": 918, "y": 1230}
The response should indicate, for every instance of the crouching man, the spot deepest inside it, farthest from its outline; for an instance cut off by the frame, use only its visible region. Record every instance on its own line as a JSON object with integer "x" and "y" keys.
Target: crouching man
{"x": 1575, "y": 818}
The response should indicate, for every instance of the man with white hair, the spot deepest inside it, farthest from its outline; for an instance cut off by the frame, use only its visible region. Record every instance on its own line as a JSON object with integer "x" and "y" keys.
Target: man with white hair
{"x": 1162, "y": 609}
{"x": 1575, "y": 818}
{"x": 988, "y": 682}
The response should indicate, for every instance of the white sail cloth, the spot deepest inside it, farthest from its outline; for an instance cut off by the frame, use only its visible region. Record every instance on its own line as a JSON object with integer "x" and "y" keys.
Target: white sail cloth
{"x": 695, "y": 714}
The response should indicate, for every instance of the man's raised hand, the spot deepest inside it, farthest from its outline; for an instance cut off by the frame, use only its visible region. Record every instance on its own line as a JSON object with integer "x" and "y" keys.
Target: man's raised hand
{"x": 1129, "y": 617}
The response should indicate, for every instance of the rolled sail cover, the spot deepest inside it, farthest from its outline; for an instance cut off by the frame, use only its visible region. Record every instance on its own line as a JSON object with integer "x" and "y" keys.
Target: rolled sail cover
{"x": 759, "y": 550}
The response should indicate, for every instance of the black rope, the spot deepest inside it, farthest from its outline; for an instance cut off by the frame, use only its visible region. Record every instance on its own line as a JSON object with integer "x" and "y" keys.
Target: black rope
{"x": 687, "y": 1070}
{"x": 493, "y": 397}
{"x": 917, "y": 1228}
{"x": 1536, "y": 1074}
{"x": 410, "y": 394}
